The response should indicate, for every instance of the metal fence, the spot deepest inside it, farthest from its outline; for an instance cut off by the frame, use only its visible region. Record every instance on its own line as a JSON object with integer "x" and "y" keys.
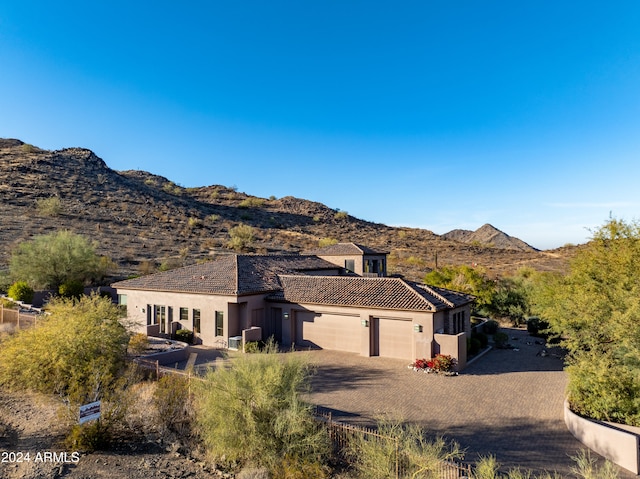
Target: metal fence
{"x": 343, "y": 436}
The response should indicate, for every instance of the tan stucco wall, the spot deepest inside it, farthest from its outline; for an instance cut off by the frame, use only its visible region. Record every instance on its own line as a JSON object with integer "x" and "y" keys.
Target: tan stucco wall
{"x": 137, "y": 302}
{"x": 454, "y": 345}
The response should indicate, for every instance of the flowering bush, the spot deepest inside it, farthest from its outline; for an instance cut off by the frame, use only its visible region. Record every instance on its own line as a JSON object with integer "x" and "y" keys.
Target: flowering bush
{"x": 442, "y": 363}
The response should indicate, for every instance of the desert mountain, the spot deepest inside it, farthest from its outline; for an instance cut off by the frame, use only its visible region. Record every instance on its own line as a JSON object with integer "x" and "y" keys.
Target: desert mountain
{"x": 143, "y": 221}
{"x": 489, "y": 235}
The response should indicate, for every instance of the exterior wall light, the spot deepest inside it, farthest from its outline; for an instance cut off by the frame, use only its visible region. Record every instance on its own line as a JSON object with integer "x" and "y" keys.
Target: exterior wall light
{"x": 286, "y": 315}
{"x": 365, "y": 323}
{"x": 417, "y": 328}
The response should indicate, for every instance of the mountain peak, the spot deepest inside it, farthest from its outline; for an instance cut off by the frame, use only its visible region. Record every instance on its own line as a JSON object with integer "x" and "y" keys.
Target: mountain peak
{"x": 489, "y": 235}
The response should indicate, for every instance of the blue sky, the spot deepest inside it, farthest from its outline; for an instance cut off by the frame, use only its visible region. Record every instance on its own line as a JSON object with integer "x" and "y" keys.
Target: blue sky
{"x": 430, "y": 114}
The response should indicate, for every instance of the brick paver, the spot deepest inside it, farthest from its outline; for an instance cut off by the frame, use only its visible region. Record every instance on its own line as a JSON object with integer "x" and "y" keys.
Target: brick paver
{"x": 508, "y": 403}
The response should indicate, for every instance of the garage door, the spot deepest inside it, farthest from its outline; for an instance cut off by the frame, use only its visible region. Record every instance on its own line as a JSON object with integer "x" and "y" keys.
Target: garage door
{"x": 328, "y": 331}
{"x": 395, "y": 338}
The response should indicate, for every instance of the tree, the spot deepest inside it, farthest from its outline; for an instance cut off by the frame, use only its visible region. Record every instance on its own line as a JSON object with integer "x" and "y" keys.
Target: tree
{"x": 595, "y": 309}
{"x": 76, "y": 351}
{"x": 48, "y": 261}
{"x": 464, "y": 279}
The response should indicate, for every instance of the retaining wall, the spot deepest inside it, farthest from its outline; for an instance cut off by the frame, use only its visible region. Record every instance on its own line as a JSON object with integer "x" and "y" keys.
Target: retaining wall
{"x": 607, "y": 439}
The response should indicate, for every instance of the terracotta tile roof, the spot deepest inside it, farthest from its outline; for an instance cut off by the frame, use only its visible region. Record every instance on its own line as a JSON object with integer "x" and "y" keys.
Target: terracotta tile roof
{"x": 232, "y": 274}
{"x": 384, "y": 293}
{"x": 343, "y": 249}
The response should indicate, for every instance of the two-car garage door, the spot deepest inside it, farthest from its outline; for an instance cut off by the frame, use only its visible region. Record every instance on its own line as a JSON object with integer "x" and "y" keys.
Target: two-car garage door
{"x": 339, "y": 332}
{"x": 388, "y": 337}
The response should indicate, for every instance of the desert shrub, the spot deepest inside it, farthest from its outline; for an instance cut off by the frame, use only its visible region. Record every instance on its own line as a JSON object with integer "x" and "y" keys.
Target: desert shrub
{"x": 213, "y": 218}
{"x": 21, "y": 291}
{"x": 242, "y": 237}
{"x": 323, "y": 242}
{"x": 173, "y": 404}
{"x": 138, "y": 343}
{"x": 76, "y": 351}
{"x": 194, "y": 222}
{"x": 375, "y": 457}
{"x": 490, "y": 327}
{"x": 252, "y": 347}
{"x": 251, "y": 413}
{"x": 184, "y": 335}
{"x": 51, "y": 206}
{"x": 251, "y": 202}
{"x": 586, "y": 467}
{"x": 486, "y": 468}
{"x": 501, "y": 340}
{"x": 71, "y": 289}
{"x": 341, "y": 215}
{"x": 89, "y": 437}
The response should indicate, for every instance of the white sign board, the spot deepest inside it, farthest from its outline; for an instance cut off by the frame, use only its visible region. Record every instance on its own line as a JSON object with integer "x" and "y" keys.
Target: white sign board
{"x": 90, "y": 411}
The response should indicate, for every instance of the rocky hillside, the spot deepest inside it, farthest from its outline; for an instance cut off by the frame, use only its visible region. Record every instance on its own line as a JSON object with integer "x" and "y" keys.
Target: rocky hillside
{"x": 143, "y": 221}
{"x": 488, "y": 235}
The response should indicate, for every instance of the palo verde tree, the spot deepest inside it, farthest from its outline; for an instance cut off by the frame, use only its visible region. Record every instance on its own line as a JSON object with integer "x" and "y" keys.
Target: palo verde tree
{"x": 595, "y": 309}
{"x": 76, "y": 351}
{"x": 51, "y": 260}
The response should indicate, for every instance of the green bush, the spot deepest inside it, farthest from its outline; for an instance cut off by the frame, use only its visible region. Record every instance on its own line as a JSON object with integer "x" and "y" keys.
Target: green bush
{"x": 21, "y": 291}
{"x": 71, "y": 289}
{"x": 184, "y": 335}
{"x": 251, "y": 202}
{"x": 242, "y": 236}
{"x": 252, "y": 412}
{"x": 490, "y": 327}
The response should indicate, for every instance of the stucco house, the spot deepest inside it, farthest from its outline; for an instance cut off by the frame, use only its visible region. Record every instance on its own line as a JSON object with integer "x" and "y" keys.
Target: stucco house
{"x": 337, "y": 297}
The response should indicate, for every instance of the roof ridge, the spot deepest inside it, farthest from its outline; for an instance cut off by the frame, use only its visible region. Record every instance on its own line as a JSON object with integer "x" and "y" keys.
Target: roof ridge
{"x": 410, "y": 288}
{"x": 446, "y": 301}
{"x": 237, "y": 275}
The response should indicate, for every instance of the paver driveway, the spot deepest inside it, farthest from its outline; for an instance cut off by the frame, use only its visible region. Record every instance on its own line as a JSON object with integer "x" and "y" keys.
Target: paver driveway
{"x": 508, "y": 403}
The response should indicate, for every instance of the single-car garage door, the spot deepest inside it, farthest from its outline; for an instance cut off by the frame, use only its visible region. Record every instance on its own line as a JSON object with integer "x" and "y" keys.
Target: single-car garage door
{"x": 338, "y": 332}
{"x": 395, "y": 338}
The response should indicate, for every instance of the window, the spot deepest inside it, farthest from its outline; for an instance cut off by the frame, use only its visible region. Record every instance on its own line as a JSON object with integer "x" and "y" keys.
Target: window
{"x": 458, "y": 322}
{"x": 196, "y": 320}
{"x": 184, "y": 314}
{"x": 219, "y": 323}
{"x": 122, "y": 299}
{"x": 350, "y": 265}
{"x": 149, "y": 315}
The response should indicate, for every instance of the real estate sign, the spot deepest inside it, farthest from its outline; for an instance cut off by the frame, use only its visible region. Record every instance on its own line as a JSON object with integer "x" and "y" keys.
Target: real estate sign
{"x": 90, "y": 411}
